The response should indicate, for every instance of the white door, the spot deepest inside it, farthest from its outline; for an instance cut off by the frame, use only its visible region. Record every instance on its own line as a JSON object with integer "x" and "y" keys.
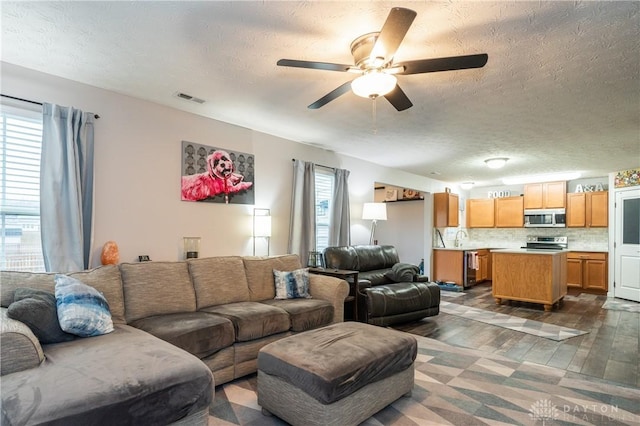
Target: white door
{"x": 627, "y": 245}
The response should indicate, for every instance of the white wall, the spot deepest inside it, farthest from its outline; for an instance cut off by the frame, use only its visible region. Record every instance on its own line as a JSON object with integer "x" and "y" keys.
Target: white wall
{"x": 137, "y": 173}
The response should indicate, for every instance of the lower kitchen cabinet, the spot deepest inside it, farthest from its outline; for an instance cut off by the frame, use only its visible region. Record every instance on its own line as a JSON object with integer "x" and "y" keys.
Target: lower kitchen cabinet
{"x": 448, "y": 265}
{"x": 484, "y": 266}
{"x": 587, "y": 270}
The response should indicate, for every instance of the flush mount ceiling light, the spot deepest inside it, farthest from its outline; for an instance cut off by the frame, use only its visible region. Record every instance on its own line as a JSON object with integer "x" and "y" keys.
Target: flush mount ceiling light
{"x": 467, "y": 185}
{"x": 373, "y": 84}
{"x": 496, "y": 163}
{"x": 541, "y": 178}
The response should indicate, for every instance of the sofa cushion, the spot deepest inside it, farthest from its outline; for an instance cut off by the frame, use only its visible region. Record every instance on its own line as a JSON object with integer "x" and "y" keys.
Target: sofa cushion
{"x": 376, "y": 257}
{"x": 37, "y": 309}
{"x": 399, "y": 298}
{"x": 218, "y": 280}
{"x": 105, "y": 279}
{"x": 156, "y": 288}
{"x": 108, "y": 281}
{"x": 343, "y": 257}
{"x": 305, "y": 314}
{"x": 376, "y": 277}
{"x": 19, "y": 348}
{"x": 292, "y": 284}
{"x": 259, "y": 272}
{"x": 403, "y": 272}
{"x": 82, "y": 310}
{"x": 127, "y": 377}
{"x": 198, "y": 333}
{"x": 252, "y": 320}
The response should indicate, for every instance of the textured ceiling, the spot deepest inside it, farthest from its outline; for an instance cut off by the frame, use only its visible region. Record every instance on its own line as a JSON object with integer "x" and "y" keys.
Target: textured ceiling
{"x": 560, "y": 92}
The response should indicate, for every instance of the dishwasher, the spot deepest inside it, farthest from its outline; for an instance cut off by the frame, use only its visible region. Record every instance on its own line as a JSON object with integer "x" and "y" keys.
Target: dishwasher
{"x": 469, "y": 268}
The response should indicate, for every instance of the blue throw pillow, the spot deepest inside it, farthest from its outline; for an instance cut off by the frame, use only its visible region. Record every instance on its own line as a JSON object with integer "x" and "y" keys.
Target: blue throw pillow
{"x": 292, "y": 284}
{"x": 82, "y": 310}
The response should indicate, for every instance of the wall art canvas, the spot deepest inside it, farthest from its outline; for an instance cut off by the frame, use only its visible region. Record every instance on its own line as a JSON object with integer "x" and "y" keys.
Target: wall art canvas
{"x": 216, "y": 175}
{"x": 626, "y": 178}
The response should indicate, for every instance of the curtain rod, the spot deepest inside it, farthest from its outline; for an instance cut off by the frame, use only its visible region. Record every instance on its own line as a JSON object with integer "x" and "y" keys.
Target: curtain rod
{"x": 31, "y": 102}
{"x": 319, "y": 165}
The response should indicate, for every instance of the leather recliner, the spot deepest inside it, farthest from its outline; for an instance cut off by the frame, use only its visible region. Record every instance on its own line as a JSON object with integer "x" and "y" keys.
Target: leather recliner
{"x": 381, "y": 300}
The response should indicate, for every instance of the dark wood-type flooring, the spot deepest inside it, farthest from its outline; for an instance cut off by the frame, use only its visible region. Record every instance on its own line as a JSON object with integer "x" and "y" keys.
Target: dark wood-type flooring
{"x": 609, "y": 351}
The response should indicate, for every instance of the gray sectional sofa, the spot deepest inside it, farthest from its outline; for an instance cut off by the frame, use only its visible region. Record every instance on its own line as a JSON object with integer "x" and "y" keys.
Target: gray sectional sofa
{"x": 180, "y": 328}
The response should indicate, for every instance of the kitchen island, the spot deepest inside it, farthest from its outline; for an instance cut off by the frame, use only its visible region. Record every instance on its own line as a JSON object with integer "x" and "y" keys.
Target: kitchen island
{"x": 536, "y": 276}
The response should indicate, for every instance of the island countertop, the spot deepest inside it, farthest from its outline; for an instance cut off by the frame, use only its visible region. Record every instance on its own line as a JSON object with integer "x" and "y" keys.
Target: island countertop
{"x": 528, "y": 251}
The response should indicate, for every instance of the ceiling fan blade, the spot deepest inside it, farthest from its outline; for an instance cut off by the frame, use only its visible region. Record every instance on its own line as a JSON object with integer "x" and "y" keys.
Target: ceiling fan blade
{"x": 328, "y": 66}
{"x": 392, "y": 33}
{"x": 398, "y": 99}
{"x": 339, "y": 91}
{"x": 443, "y": 64}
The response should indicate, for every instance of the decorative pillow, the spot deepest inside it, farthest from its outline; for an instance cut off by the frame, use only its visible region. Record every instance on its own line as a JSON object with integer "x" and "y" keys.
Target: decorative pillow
{"x": 37, "y": 309}
{"x": 82, "y": 310}
{"x": 402, "y": 272}
{"x": 293, "y": 284}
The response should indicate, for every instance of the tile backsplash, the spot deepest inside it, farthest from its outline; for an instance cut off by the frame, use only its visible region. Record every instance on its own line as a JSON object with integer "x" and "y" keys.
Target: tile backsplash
{"x": 584, "y": 239}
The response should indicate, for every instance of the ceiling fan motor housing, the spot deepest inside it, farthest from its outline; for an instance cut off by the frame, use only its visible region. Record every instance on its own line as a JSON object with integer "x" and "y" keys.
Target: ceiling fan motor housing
{"x": 361, "y": 49}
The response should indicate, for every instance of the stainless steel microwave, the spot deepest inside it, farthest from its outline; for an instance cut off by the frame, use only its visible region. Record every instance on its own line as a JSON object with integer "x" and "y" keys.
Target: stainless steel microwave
{"x": 545, "y": 218}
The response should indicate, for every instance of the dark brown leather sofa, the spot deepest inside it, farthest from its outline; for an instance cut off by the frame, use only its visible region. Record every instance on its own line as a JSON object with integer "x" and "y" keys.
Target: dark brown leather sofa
{"x": 384, "y": 297}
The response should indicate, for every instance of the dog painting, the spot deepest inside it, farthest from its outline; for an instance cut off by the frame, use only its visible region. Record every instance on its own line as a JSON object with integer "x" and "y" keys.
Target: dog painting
{"x": 216, "y": 175}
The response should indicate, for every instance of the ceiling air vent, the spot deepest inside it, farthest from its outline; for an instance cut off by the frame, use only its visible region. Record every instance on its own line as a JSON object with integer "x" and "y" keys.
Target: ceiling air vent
{"x": 189, "y": 98}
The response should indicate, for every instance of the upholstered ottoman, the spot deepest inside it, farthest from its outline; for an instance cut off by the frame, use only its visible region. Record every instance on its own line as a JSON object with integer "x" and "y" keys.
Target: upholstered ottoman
{"x": 341, "y": 374}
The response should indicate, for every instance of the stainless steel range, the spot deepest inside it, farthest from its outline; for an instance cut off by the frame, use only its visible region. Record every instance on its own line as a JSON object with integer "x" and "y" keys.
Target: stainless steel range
{"x": 536, "y": 242}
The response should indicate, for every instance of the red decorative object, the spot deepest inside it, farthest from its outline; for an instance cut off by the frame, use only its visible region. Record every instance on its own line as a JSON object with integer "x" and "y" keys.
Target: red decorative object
{"x": 110, "y": 254}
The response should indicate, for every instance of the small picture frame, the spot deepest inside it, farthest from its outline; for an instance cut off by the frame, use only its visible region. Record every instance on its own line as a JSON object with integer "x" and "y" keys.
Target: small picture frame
{"x": 391, "y": 195}
{"x": 144, "y": 258}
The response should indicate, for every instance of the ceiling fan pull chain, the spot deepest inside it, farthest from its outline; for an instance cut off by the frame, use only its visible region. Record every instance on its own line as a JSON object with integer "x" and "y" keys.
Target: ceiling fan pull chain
{"x": 373, "y": 115}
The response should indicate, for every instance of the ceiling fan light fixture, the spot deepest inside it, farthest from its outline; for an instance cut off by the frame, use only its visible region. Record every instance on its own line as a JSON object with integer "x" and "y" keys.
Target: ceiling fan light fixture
{"x": 373, "y": 84}
{"x": 467, "y": 185}
{"x": 496, "y": 163}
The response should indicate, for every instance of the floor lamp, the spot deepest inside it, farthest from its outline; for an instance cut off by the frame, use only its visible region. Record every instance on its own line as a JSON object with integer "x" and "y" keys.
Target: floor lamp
{"x": 374, "y": 212}
{"x": 261, "y": 227}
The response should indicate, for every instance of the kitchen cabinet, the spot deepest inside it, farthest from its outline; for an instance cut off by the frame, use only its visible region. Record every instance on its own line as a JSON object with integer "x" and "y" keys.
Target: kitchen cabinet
{"x": 509, "y": 212}
{"x": 547, "y": 195}
{"x": 504, "y": 212}
{"x": 445, "y": 210}
{"x": 588, "y": 209}
{"x": 448, "y": 265}
{"x": 587, "y": 271}
{"x": 481, "y": 213}
{"x": 484, "y": 266}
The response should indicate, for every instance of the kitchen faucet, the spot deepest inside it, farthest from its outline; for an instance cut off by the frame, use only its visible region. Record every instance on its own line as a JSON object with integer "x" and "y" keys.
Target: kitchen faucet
{"x": 457, "y": 242}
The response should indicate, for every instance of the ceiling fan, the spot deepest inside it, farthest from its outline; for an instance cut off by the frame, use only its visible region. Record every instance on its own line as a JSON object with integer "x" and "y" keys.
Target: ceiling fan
{"x": 373, "y": 58}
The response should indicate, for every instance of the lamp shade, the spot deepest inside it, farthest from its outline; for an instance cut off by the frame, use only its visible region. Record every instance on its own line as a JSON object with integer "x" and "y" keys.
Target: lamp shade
{"x": 374, "y": 211}
{"x": 373, "y": 84}
{"x": 262, "y": 226}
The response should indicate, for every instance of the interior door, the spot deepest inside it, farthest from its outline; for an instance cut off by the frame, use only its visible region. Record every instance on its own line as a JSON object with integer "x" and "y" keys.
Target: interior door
{"x": 627, "y": 245}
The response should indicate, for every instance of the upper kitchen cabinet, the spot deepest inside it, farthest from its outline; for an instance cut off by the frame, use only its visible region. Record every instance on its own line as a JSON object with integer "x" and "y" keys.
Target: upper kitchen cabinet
{"x": 509, "y": 212}
{"x": 588, "y": 209}
{"x": 445, "y": 210}
{"x": 548, "y": 195}
{"x": 481, "y": 213}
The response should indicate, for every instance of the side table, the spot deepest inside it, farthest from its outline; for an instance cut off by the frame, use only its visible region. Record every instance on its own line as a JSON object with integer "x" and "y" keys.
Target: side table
{"x": 344, "y": 274}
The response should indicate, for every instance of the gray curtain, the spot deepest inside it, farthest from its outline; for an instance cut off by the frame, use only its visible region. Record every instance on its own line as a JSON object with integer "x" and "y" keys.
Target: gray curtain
{"x": 302, "y": 234}
{"x": 340, "y": 221}
{"x": 66, "y": 188}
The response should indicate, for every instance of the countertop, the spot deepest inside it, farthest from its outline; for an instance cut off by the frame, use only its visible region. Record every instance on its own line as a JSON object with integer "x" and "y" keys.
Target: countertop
{"x": 529, "y": 251}
{"x": 464, "y": 248}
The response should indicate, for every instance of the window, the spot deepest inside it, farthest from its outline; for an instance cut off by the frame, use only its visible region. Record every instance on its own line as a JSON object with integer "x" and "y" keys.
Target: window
{"x": 20, "y": 148}
{"x": 324, "y": 190}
